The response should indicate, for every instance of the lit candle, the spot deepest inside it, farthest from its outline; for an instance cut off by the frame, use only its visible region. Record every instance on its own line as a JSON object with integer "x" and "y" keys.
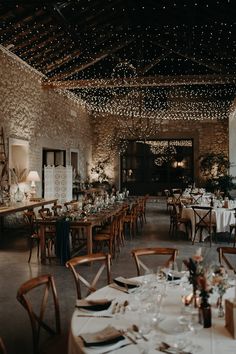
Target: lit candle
{"x": 199, "y": 251}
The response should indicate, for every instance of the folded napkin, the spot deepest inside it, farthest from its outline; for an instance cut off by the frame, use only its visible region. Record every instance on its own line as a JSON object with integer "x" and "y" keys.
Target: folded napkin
{"x": 108, "y": 335}
{"x": 127, "y": 283}
{"x": 94, "y": 305}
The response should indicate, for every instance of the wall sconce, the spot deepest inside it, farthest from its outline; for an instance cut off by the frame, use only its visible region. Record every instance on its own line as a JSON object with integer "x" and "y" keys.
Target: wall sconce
{"x": 33, "y": 177}
{"x": 179, "y": 164}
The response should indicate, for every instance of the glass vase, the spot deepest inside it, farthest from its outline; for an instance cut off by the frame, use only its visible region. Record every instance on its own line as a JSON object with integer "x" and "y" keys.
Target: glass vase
{"x": 221, "y": 312}
{"x": 18, "y": 195}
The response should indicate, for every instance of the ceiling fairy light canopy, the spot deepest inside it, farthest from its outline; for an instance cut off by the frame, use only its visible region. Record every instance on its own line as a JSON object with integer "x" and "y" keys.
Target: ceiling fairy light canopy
{"x": 179, "y": 55}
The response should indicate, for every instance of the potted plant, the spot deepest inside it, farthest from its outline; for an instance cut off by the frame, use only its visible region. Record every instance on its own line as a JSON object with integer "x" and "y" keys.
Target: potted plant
{"x": 214, "y": 169}
{"x": 99, "y": 176}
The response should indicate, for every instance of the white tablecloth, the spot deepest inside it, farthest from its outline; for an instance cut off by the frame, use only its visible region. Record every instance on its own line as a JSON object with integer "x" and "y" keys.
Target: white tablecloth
{"x": 222, "y": 216}
{"x": 214, "y": 340}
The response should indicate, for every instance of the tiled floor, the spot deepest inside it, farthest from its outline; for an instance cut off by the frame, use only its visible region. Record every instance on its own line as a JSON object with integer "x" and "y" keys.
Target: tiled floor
{"x": 14, "y": 269}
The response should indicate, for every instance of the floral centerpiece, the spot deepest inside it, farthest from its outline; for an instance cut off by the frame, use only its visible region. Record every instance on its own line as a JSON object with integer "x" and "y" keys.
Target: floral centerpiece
{"x": 199, "y": 277}
{"x": 220, "y": 283}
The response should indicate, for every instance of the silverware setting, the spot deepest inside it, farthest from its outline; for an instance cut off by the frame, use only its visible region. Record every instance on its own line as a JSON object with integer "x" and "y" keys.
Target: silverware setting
{"x": 119, "y": 307}
{"x": 169, "y": 349}
{"x": 135, "y": 328}
{"x": 130, "y": 337}
{"x": 112, "y": 350}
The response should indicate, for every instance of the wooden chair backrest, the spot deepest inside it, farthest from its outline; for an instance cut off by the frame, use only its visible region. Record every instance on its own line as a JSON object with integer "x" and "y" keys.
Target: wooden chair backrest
{"x": 2, "y": 347}
{"x": 202, "y": 217}
{"x": 74, "y": 263}
{"x": 71, "y": 205}
{"x": 195, "y": 197}
{"x": 56, "y": 208}
{"x": 29, "y": 219}
{"x": 37, "y": 318}
{"x": 223, "y": 259}
{"x": 44, "y": 213}
{"x": 139, "y": 252}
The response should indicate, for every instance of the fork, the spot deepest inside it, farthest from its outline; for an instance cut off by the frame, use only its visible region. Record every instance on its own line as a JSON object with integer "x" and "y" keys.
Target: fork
{"x": 166, "y": 348}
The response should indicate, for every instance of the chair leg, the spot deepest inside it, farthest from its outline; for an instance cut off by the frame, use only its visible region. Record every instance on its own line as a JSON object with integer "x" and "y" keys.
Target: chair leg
{"x": 38, "y": 246}
{"x": 31, "y": 248}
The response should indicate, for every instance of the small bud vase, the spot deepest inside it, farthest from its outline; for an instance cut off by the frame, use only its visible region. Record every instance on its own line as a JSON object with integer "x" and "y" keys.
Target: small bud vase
{"x": 221, "y": 312}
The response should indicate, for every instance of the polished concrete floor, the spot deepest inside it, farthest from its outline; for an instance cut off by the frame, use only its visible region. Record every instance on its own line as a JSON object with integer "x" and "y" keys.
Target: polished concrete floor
{"x": 14, "y": 270}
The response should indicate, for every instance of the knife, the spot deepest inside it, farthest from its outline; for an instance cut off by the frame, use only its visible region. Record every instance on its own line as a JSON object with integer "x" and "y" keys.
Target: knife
{"x": 112, "y": 350}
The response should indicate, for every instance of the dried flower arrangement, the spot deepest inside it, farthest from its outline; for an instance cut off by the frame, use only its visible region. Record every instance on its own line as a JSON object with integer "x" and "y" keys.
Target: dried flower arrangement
{"x": 18, "y": 175}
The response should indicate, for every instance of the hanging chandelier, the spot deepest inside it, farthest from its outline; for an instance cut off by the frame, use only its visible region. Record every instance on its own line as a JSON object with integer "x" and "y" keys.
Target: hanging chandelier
{"x": 135, "y": 119}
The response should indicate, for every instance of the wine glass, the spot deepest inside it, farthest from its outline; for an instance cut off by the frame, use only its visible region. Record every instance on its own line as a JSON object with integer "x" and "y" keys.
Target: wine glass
{"x": 195, "y": 327}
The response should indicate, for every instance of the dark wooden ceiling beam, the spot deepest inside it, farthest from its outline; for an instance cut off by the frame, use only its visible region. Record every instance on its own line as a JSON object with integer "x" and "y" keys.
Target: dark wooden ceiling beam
{"x": 40, "y": 45}
{"x": 56, "y": 64}
{"x": 143, "y": 82}
{"x": 18, "y": 38}
{"x": 102, "y": 13}
{"x": 21, "y": 22}
{"x": 156, "y": 61}
{"x": 47, "y": 54}
{"x": 96, "y": 58}
{"x": 212, "y": 66}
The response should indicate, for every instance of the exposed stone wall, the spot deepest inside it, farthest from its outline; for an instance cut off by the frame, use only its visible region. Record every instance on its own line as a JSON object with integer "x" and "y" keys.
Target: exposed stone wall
{"x": 49, "y": 119}
{"x": 46, "y": 118}
{"x": 208, "y": 136}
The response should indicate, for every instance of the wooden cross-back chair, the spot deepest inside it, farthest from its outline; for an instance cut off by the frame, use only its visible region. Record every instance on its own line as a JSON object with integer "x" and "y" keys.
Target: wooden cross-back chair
{"x": 108, "y": 236}
{"x": 159, "y": 251}
{"x": 195, "y": 197}
{"x": 223, "y": 259}
{"x": 56, "y": 209}
{"x": 45, "y": 213}
{"x": 104, "y": 260}
{"x": 203, "y": 219}
{"x": 176, "y": 194}
{"x": 176, "y": 220}
{"x": 30, "y": 220}
{"x": 71, "y": 205}
{"x": 130, "y": 220}
{"x": 2, "y": 347}
{"x": 46, "y": 287}
{"x": 50, "y": 231}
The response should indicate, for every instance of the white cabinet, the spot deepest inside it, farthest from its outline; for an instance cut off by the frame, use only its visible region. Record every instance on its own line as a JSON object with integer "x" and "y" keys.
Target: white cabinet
{"x": 58, "y": 183}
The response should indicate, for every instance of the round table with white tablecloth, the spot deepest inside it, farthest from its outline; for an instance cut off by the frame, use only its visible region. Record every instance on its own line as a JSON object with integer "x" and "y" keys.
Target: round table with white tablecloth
{"x": 213, "y": 340}
{"x": 222, "y": 216}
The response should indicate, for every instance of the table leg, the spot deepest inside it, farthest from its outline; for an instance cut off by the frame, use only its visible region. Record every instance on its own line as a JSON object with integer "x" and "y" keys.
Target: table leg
{"x": 42, "y": 243}
{"x": 89, "y": 239}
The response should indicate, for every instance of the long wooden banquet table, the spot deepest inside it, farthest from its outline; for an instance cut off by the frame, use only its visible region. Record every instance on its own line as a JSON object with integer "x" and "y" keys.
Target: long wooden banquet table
{"x": 21, "y": 206}
{"x": 168, "y": 328}
{"x": 87, "y": 223}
